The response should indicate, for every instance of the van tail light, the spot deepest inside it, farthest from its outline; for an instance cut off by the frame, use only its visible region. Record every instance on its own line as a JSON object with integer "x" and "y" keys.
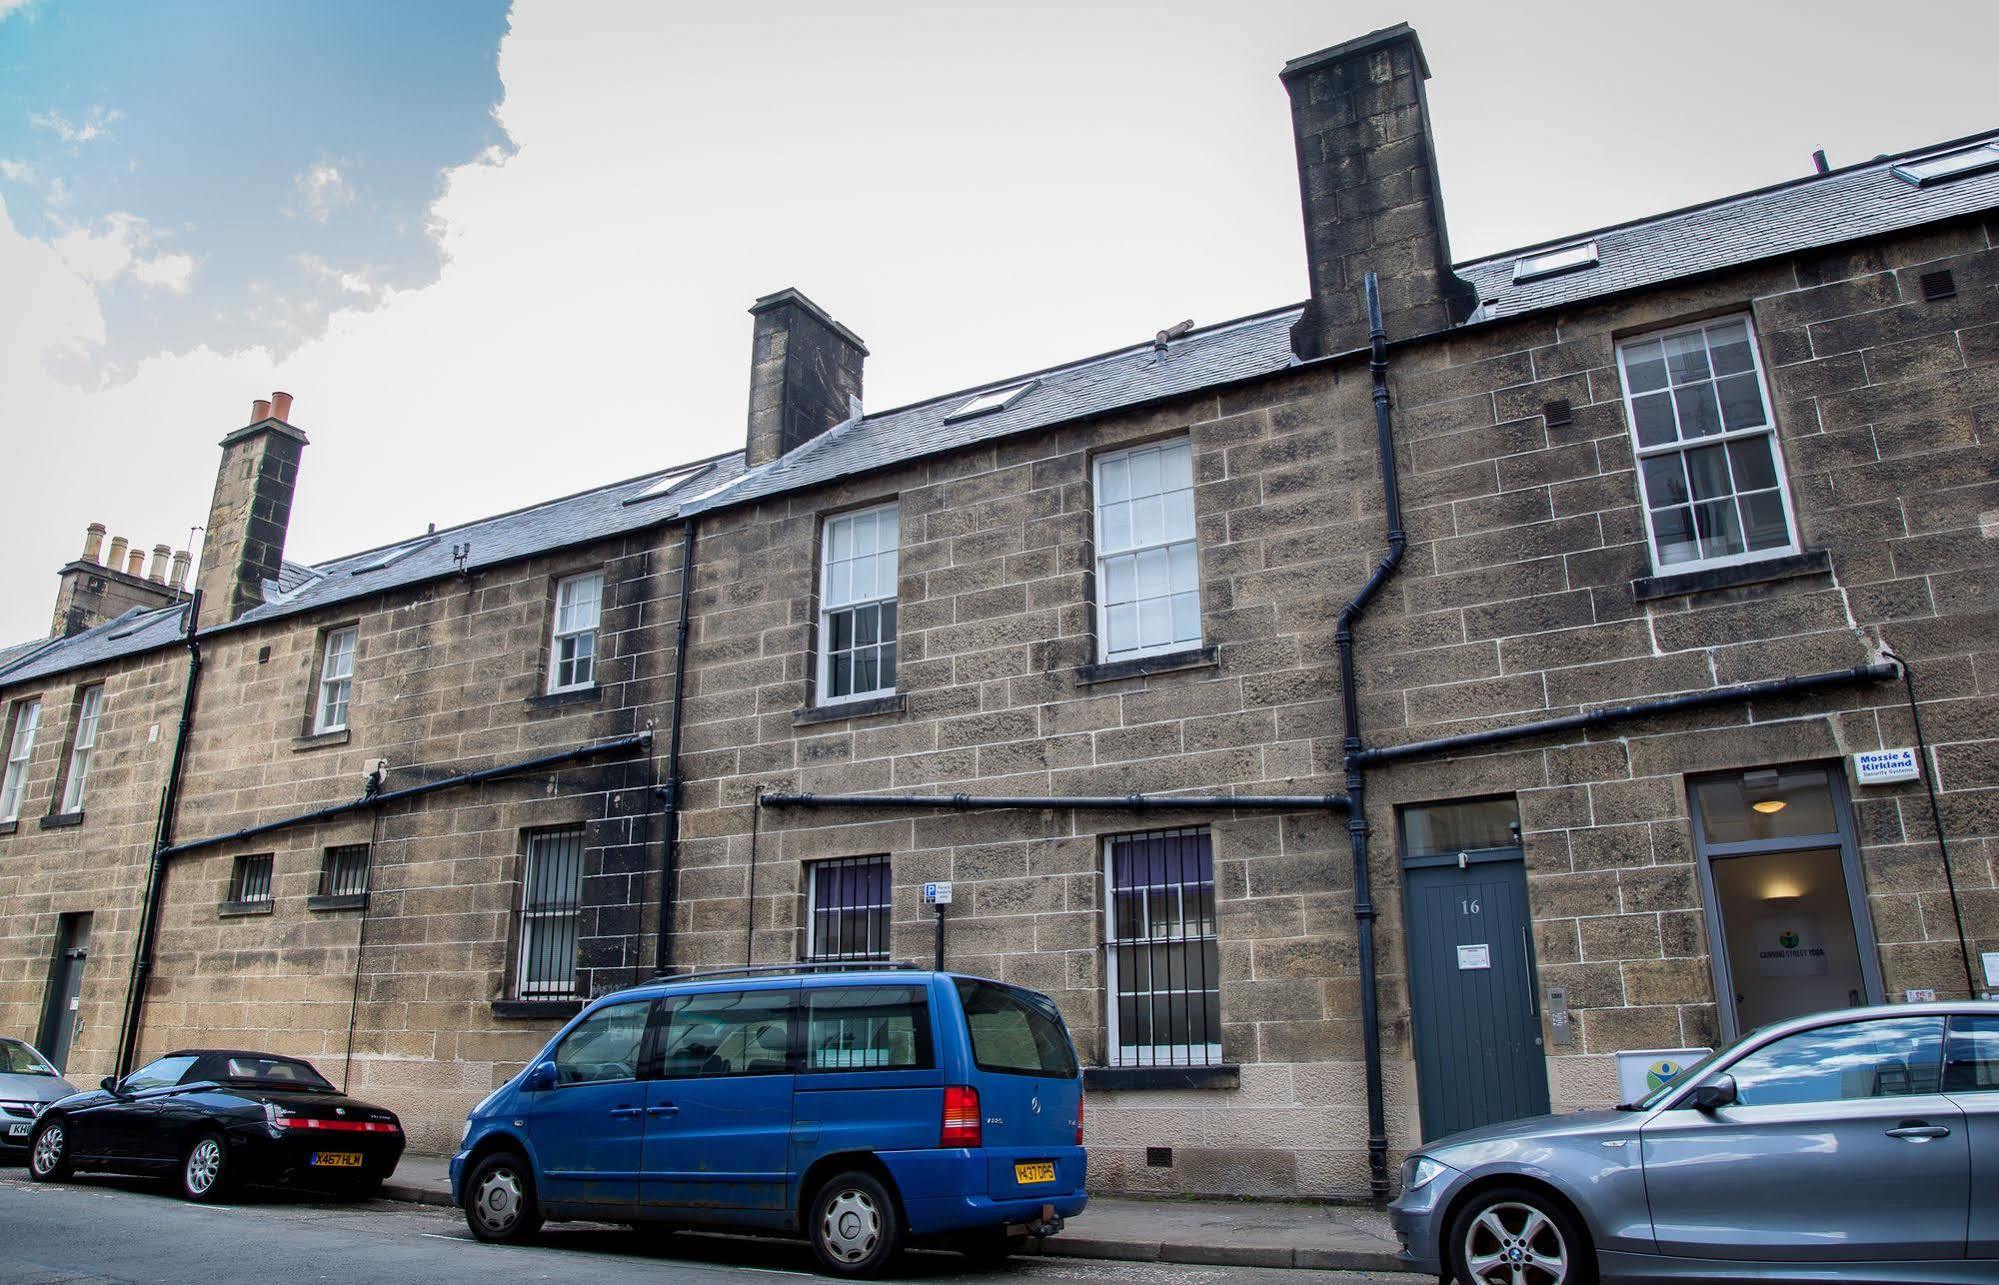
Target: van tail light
{"x": 961, "y": 1118}
{"x": 1079, "y": 1119}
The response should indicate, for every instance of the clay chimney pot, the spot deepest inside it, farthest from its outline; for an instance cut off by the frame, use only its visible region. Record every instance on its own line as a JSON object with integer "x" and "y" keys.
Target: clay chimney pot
{"x": 281, "y": 406}
{"x": 93, "y": 541}
{"x": 260, "y": 410}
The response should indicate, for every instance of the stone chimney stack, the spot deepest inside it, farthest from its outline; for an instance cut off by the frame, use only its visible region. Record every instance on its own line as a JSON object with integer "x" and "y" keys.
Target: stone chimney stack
{"x": 91, "y": 593}
{"x": 1367, "y": 171}
{"x": 805, "y": 374}
{"x": 244, "y": 542}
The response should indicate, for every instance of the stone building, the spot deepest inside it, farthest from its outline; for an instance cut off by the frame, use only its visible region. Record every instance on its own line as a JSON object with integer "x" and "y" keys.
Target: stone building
{"x": 1678, "y": 518}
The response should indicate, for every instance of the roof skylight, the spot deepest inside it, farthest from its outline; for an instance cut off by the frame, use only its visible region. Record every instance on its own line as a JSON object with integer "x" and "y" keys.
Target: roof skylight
{"x": 667, "y": 483}
{"x": 1941, "y": 169}
{"x": 391, "y": 556}
{"x": 1547, "y": 263}
{"x": 987, "y": 403}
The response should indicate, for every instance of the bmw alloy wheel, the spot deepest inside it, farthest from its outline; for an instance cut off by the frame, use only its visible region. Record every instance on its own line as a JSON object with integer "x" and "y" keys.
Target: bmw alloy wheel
{"x": 203, "y": 1166}
{"x": 47, "y": 1157}
{"x": 499, "y": 1201}
{"x": 1516, "y": 1244}
{"x": 851, "y": 1226}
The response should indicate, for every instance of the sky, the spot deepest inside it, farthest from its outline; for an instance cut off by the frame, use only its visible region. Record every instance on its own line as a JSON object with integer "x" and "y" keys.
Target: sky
{"x": 500, "y": 254}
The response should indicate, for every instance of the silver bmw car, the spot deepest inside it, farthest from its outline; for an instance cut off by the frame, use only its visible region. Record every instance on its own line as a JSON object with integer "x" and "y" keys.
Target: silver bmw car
{"x": 1858, "y": 1145}
{"x": 27, "y": 1084}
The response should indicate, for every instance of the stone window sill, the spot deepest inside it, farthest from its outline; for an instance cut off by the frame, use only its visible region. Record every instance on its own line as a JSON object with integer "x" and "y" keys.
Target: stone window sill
{"x": 531, "y": 1010}
{"x": 62, "y": 821}
{"x": 239, "y": 909}
{"x": 558, "y": 700}
{"x": 1110, "y": 671}
{"x": 1813, "y": 562}
{"x": 9, "y": 827}
{"x": 873, "y": 707}
{"x": 319, "y": 740}
{"x": 344, "y": 901}
{"x": 1111, "y": 1079}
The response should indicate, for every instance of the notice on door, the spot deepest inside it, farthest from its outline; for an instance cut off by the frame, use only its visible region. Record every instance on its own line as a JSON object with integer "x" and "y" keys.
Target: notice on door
{"x": 1790, "y": 946}
{"x": 1479, "y": 956}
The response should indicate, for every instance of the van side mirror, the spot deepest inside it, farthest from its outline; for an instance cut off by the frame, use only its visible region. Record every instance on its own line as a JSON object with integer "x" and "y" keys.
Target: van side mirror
{"x": 1715, "y": 1094}
{"x": 541, "y": 1078}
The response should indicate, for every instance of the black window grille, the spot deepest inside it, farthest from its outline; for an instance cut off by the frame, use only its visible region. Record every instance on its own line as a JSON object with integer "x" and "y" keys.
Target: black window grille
{"x": 1163, "y": 960}
{"x": 250, "y": 878}
{"x": 345, "y": 873}
{"x": 551, "y": 915}
{"x": 847, "y": 909}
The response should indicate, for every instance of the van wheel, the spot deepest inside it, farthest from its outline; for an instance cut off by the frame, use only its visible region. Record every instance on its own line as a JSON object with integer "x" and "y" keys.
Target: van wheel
{"x": 1519, "y": 1236}
{"x": 500, "y": 1206}
{"x": 855, "y": 1228}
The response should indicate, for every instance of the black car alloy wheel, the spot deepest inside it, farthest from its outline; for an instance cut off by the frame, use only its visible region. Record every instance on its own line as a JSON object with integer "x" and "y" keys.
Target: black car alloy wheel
{"x": 204, "y": 1168}
{"x": 48, "y": 1153}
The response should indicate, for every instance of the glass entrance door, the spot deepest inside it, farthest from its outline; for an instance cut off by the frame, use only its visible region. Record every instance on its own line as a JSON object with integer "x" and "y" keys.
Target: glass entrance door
{"x": 1786, "y": 907}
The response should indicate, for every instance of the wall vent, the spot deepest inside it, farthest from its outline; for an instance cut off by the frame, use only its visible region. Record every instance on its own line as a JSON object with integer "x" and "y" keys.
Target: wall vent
{"x": 1939, "y": 285}
{"x": 1557, "y": 413}
{"x": 1159, "y": 1157}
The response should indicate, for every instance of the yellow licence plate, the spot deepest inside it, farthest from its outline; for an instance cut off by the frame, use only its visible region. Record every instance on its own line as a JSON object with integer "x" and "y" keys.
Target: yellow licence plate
{"x": 1038, "y": 1171}
{"x": 338, "y": 1159}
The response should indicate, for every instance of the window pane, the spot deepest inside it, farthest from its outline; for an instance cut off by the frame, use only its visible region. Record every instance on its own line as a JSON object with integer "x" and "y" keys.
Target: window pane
{"x": 1148, "y": 520}
{"x": 840, "y": 539}
{"x": 1888, "y": 1058}
{"x": 727, "y": 1033}
{"x": 1113, "y": 480}
{"x": 1645, "y": 367}
{"x": 839, "y": 584}
{"x": 1155, "y": 622}
{"x": 1177, "y": 466}
{"x": 1674, "y": 531}
{"x": 1665, "y": 481}
{"x": 1120, "y": 578}
{"x": 864, "y": 534}
{"x": 1974, "y": 1055}
{"x": 1154, "y": 573}
{"x": 840, "y": 673}
{"x": 1751, "y": 460}
{"x": 1179, "y": 519}
{"x": 1144, "y": 473}
{"x": 840, "y": 630}
{"x": 1186, "y": 617}
{"x": 864, "y": 579}
{"x": 1123, "y": 628}
{"x": 1707, "y": 469}
{"x": 1186, "y": 569}
{"x": 1741, "y": 402}
{"x": 868, "y": 1027}
{"x": 1769, "y": 803}
{"x": 1763, "y": 521}
{"x": 1699, "y": 416}
{"x": 888, "y": 666}
{"x": 1728, "y": 347}
{"x": 1015, "y": 1032}
{"x": 1436, "y": 829}
{"x": 866, "y": 670}
{"x": 1719, "y": 529}
{"x": 865, "y": 620}
{"x": 1686, "y": 357}
{"x": 1116, "y": 527}
{"x": 888, "y": 528}
{"x": 1654, "y": 414}
{"x": 604, "y": 1046}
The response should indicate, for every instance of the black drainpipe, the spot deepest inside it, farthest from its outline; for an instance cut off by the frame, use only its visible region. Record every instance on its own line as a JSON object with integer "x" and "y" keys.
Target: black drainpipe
{"x": 163, "y": 837}
{"x": 669, "y": 836}
{"x": 1363, "y": 885}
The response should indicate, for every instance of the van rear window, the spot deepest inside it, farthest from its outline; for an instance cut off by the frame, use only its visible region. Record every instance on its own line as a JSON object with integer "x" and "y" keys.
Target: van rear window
{"x": 1015, "y": 1033}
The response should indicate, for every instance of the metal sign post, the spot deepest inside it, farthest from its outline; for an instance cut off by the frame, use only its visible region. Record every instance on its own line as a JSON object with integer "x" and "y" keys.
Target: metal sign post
{"x": 938, "y": 895}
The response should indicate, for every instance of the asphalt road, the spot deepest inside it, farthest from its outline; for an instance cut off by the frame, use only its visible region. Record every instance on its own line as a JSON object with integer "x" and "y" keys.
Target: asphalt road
{"x": 98, "y": 1229}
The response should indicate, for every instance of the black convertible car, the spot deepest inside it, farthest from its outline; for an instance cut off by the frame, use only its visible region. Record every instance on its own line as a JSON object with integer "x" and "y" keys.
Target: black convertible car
{"x": 218, "y": 1117}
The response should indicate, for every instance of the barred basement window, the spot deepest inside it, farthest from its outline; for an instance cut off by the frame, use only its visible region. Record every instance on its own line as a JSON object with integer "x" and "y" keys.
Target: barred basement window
{"x": 20, "y": 748}
{"x": 579, "y": 607}
{"x": 250, "y": 879}
{"x": 857, "y": 574}
{"x": 847, "y": 909}
{"x": 1163, "y": 961}
{"x": 345, "y": 873}
{"x": 1709, "y": 469}
{"x": 1148, "y": 574}
{"x": 551, "y": 915}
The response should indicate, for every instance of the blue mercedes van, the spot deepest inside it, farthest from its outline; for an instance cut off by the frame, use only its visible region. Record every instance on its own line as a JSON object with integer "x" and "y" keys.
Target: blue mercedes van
{"x": 862, "y": 1107}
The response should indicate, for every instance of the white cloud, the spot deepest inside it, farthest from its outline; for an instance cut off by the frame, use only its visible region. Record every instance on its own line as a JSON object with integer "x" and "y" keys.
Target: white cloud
{"x": 96, "y": 124}
{"x": 15, "y": 171}
{"x": 120, "y": 246}
{"x": 355, "y": 283}
{"x": 321, "y": 190}
{"x": 13, "y": 6}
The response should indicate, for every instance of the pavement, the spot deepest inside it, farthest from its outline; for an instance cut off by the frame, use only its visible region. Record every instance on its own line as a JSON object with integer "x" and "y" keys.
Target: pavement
{"x": 1219, "y": 1233}
{"x": 96, "y": 1230}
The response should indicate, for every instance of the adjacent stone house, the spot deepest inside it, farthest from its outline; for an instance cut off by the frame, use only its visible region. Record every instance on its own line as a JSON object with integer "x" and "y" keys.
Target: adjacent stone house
{"x": 1679, "y": 518}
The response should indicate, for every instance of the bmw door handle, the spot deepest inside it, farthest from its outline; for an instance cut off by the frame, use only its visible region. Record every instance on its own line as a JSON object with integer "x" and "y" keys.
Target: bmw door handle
{"x": 664, "y": 1108}
{"x": 626, "y": 1113}
{"x": 1917, "y": 1131}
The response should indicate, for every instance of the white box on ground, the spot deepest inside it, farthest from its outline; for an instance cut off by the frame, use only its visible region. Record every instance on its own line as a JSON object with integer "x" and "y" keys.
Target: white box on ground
{"x": 1885, "y": 767}
{"x": 1639, "y": 1071}
{"x": 937, "y": 894}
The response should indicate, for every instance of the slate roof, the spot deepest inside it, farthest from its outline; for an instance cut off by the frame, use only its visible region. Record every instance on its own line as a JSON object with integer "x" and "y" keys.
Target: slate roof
{"x": 554, "y": 524}
{"x": 1822, "y": 210}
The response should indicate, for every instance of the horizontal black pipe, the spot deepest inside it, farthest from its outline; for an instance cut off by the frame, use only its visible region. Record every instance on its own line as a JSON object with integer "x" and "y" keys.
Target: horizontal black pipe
{"x": 1093, "y": 802}
{"x": 577, "y": 754}
{"x": 1619, "y": 713}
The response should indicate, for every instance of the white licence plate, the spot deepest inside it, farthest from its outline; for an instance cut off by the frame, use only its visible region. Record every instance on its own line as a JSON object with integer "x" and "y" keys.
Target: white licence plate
{"x": 17, "y": 1130}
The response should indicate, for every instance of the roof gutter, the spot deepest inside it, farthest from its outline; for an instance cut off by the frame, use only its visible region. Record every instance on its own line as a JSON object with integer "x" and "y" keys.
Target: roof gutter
{"x": 1090, "y": 802}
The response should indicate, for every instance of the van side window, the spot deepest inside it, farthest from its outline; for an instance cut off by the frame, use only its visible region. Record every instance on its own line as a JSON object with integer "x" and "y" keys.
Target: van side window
{"x": 1016, "y": 1033}
{"x": 727, "y": 1033}
{"x": 604, "y": 1046}
{"x": 855, "y": 1028}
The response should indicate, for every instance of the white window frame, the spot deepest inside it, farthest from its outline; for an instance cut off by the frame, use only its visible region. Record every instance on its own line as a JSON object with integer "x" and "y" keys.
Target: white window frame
{"x": 20, "y": 750}
{"x": 575, "y": 630}
{"x": 1680, "y": 446}
{"x": 525, "y": 985}
{"x": 889, "y": 558}
{"x": 332, "y": 704}
{"x": 89, "y": 709}
{"x": 813, "y": 945}
{"x": 1116, "y": 1052}
{"x": 1132, "y": 548}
